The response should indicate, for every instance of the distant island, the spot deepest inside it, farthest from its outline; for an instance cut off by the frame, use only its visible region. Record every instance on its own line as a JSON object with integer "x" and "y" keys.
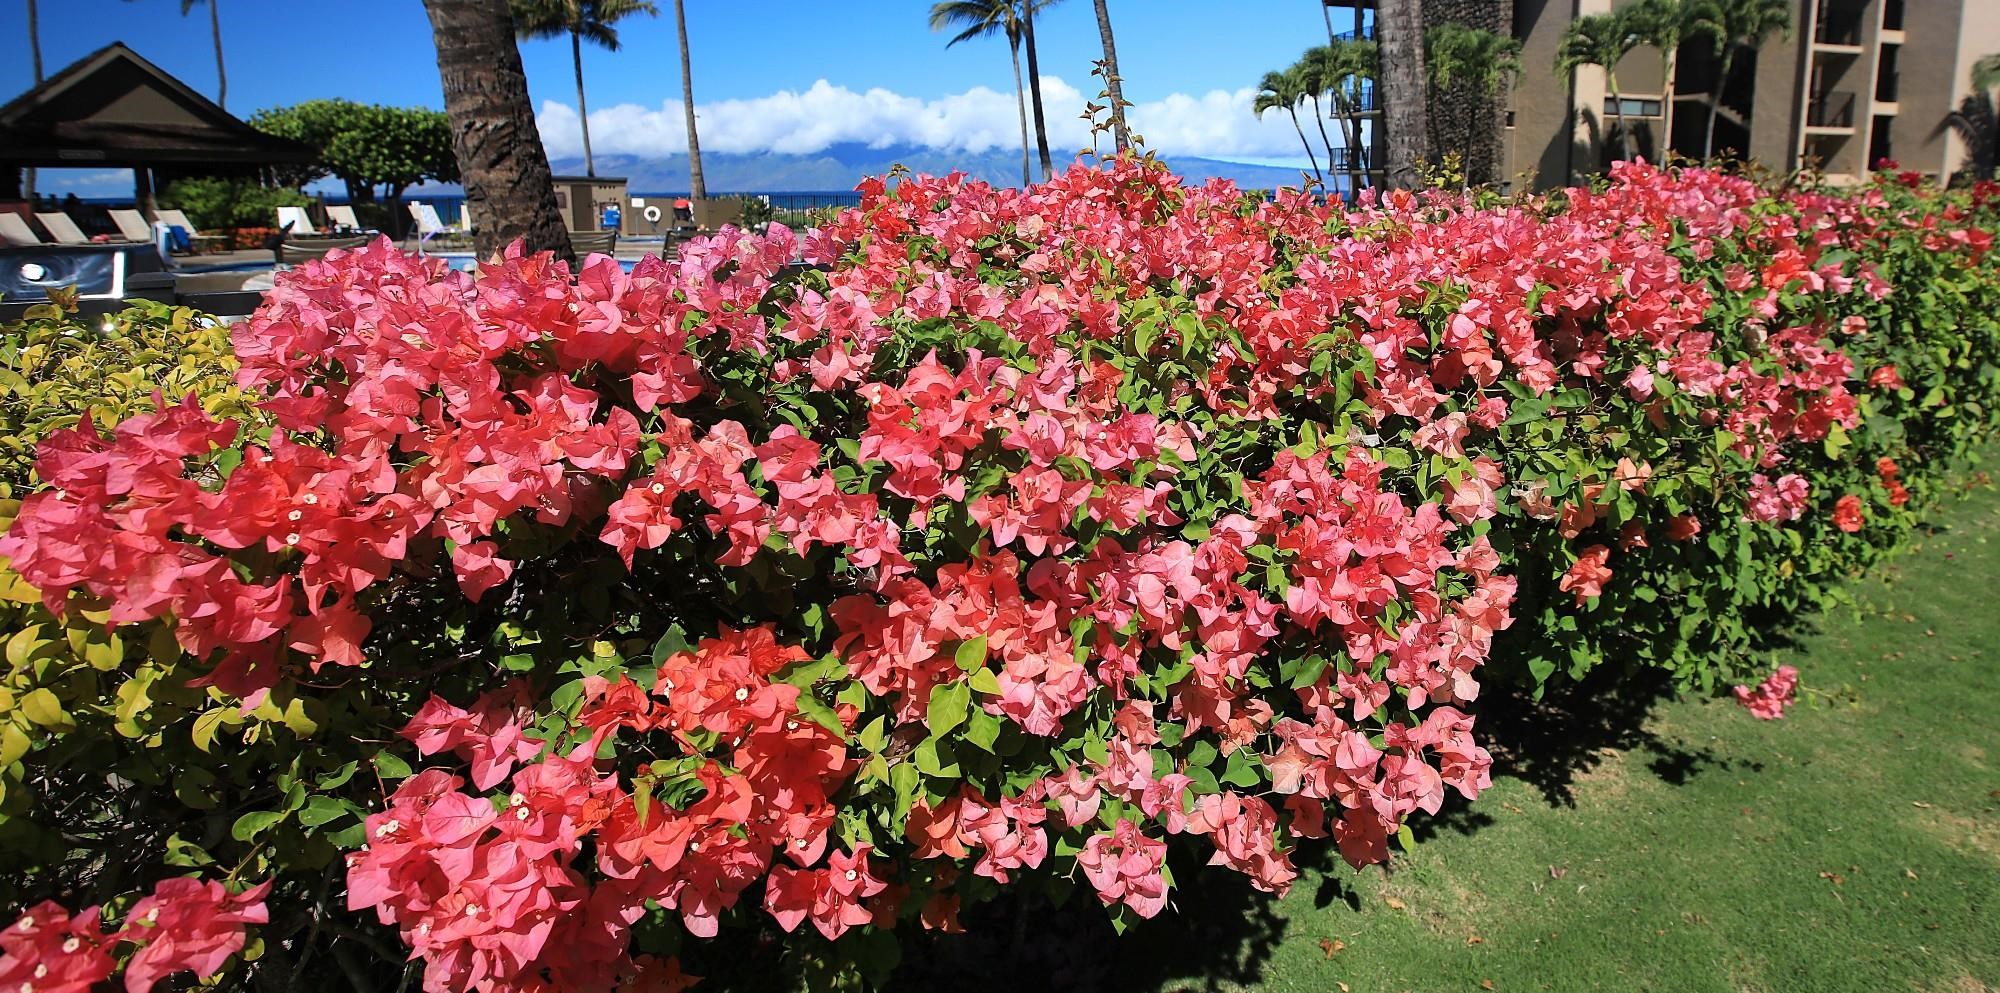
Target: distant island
{"x": 840, "y": 167}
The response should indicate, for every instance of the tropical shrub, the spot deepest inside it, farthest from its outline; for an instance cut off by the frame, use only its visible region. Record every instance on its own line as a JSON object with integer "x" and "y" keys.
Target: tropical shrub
{"x": 978, "y": 538}
{"x": 224, "y": 203}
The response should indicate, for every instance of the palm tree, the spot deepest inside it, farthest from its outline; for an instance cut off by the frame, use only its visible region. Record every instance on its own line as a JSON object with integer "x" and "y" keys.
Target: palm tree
{"x": 1344, "y": 69}
{"x": 1666, "y": 25}
{"x": 1467, "y": 62}
{"x": 697, "y": 185}
{"x": 34, "y": 47}
{"x": 1400, "y": 34}
{"x": 1028, "y": 8}
{"x": 1315, "y": 73}
{"x": 594, "y": 21}
{"x": 1599, "y": 40}
{"x": 214, "y": 30}
{"x": 1985, "y": 72}
{"x": 1975, "y": 119}
{"x": 1737, "y": 26}
{"x": 1284, "y": 89}
{"x": 977, "y": 19}
{"x": 1113, "y": 84}
{"x": 500, "y": 156}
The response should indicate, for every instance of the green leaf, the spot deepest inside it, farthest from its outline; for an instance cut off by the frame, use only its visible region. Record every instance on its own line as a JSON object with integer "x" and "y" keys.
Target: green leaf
{"x": 391, "y": 766}
{"x": 254, "y": 823}
{"x": 320, "y": 810}
{"x": 971, "y": 654}
{"x": 946, "y": 710}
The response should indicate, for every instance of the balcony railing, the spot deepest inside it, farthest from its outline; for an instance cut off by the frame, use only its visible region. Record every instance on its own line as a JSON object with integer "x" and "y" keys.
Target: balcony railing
{"x": 1831, "y": 110}
{"x": 1838, "y": 23}
{"x": 1343, "y": 159}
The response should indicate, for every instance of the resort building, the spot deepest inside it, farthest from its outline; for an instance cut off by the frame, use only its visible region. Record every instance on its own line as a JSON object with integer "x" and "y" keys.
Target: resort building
{"x": 1856, "y": 82}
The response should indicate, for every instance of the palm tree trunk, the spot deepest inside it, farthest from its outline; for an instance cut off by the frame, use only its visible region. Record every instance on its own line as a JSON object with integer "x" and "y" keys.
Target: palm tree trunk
{"x": 1715, "y": 100}
{"x": 1113, "y": 85}
{"x": 1350, "y": 135}
{"x": 34, "y": 47}
{"x": 500, "y": 156}
{"x": 1303, "y": 140}
{"x": 1666, "y": 145}
{"x": 1021, "y": 109}
{"x": 1319, "y": 119}
{"x": 1035, "y": 87}
{"x": 1400, "y": 33}
{"x": 582, "y": 110}
{"x": 697, "y": 188}
{"x": 1625, "y": 145}
{"x": 221, "y": 76}
{"x": 1362, "y": 155}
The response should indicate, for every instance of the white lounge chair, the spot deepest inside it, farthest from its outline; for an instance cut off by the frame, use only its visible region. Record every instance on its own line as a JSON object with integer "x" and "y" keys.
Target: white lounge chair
{"x": 131, "y": 225}
{"x": 295, "y": 222}
{"x": 428, "y": 224}
{"x": 14, "y": 230}
{"x": 62, "y": 229}
{"x": 342, "y": 216}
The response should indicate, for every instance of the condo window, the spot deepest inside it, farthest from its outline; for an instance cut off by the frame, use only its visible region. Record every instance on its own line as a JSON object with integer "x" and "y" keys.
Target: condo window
{"x": 1632, "y": 107}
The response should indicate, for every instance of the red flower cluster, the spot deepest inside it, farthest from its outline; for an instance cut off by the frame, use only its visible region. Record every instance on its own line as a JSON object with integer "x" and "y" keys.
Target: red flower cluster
{"x": 1162, "y": 502}
{"x": 1767, "y": 702}
{"x": 184, "y": 925}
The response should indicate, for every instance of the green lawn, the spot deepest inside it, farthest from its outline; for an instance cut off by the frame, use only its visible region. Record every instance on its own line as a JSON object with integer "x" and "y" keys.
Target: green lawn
{"x": 1854, "y": 845}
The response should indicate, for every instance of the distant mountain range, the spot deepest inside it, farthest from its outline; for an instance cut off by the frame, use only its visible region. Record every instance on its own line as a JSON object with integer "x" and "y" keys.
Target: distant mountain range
{"x": 839, "y": 167}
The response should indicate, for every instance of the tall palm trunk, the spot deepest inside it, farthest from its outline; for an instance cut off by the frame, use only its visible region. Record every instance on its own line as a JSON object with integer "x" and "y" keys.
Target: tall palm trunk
{"x": 1319, "y": 119}
{"x": 1665, "y": 147}
{"x": 697, "y": 188}
{"x": 1360, "y": 158}
{"x": 221, "y": 75}
{"x": 1399, "y": 29}
{"x": 1112, "y": 84}
{"x": 1350, "y": 137}
{"x": 1715, "y": 99}
{"x": 500, "y": 156}
{"x": 1626, "y": 143}
{"x": 35, "y": 48}
{"x": 1021, "y": 110}
{"x": 1035, "y": 86}
{"x": 1303, "y": 140}
{"x": 582, "y": 111}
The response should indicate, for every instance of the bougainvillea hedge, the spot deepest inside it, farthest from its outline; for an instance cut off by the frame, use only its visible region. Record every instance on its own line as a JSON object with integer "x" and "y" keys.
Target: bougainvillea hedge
{"x": 825, "y": 583}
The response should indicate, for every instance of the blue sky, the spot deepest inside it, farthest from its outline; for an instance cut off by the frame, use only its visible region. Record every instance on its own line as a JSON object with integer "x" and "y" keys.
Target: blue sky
{"x": 783, "y": 75}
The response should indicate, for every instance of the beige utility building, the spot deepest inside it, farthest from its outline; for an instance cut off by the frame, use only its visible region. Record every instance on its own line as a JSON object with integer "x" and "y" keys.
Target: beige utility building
{"x": 1857, "y": 81}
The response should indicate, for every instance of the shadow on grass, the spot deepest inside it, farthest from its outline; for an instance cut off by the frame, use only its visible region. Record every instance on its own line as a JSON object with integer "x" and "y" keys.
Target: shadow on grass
{"x": 1223, "y": 931}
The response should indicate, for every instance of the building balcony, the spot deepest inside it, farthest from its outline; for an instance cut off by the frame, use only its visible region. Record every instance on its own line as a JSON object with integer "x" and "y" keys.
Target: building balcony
{"x": 1831, "y": 112}
{"x": 1886, "y": 87}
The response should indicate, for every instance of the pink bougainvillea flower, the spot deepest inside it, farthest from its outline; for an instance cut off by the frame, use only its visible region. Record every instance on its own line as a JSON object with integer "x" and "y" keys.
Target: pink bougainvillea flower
{"x": 188, "y": 925}
{"x": 1586, "y": 578}
{"x": 1770, "y": 698}
{"x": 1124, "y": 867}
{"x": 48, "y": 951}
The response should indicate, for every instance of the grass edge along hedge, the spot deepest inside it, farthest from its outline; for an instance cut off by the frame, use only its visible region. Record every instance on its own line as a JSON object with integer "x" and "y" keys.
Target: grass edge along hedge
{"x": 553, "y": 623}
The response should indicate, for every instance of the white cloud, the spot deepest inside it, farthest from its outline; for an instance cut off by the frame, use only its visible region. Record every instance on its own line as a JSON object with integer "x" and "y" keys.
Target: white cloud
{"x": 1218, "y": 123}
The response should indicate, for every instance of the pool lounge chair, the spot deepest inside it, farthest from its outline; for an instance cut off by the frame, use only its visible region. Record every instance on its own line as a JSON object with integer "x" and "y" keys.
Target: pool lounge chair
{"x": 593, "y": 242}
{"x": 14, "y": 230}
{"x": 62, "y": 229}
{"x": 295, "y": 222}
{"x": 131, "y": 225}
{"x": 173, "y": 218}
{"x": 300, "y": 250}
{"x": 341, "y": 217}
